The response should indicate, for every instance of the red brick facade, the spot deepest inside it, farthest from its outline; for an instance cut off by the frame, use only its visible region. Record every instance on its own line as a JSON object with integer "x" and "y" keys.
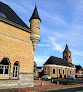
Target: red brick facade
{"x": 57, "y": 71}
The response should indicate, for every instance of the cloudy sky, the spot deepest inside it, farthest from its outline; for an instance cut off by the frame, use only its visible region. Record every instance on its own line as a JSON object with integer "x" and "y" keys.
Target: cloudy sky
{"x": 62, "y": 20}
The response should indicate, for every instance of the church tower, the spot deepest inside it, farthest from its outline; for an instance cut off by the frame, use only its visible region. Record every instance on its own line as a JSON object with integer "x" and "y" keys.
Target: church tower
{"x": 35, "y": 27}
{"x": 67, "y": 54}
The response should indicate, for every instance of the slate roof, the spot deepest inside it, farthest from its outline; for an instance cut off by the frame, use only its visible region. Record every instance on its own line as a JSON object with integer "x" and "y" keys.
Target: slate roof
{"x": 35, "y": 15}
{"x": 39, "y": 67}
{"x": 57, "y": 61}
{"x": 11, "y": 15}
{"x": 66, "y": 48}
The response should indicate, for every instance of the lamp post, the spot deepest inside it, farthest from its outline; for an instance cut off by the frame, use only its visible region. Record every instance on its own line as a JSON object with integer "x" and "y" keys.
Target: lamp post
{"x": 67, "y": 76}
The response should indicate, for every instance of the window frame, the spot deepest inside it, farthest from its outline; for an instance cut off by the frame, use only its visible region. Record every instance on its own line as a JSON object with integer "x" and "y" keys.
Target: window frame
{"x": 38, "y": 24}
{"x": 70, "y": 72}
{"x": 64, "y": 71}
{"x": 4, "y": 68}
{"x": 67, "y": 72}
{"x": 60, "y": 71}
{"x": 52, "y": 71}
{"x": 45, "y": 70}
{"x": 14, "y": 70}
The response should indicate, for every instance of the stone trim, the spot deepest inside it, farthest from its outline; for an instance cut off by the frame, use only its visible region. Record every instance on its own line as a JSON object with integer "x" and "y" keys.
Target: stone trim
{"x": 25, "y": 73}
{"x": 35, "y": 39}
{"x": 15, "y": 25}
{"x": 60, "y": 66}
{"x": 3, "y": 35}
{"x": 25, "y": 80}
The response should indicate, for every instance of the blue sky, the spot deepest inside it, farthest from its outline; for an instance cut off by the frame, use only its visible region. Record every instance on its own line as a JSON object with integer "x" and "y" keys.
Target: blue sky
{"x": 62, "y": 20}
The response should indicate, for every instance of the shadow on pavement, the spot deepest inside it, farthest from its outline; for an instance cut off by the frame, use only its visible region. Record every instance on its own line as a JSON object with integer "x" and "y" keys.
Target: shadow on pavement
{"x": 11, "y": 90}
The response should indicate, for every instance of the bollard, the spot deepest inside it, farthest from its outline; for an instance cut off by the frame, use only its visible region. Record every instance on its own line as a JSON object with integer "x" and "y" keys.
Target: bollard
{"x": 52, "y": 80}
{"x": 57, "y": 82}
{"x": 42, "y": 83}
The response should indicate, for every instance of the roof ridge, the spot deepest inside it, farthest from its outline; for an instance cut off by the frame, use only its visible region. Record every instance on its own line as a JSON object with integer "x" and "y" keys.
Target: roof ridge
{"x": 58, "y": 57}
{"x": 11, "y": 15}
{"x": 3, "y": 3}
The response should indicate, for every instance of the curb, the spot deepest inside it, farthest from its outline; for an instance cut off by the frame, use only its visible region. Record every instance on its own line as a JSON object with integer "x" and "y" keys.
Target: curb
{"x": 52, "y": 89}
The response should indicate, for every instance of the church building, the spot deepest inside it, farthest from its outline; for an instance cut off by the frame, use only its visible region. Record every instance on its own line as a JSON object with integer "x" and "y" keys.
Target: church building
{"x": 60, "y": 67}
{"x": 17, "y": 47}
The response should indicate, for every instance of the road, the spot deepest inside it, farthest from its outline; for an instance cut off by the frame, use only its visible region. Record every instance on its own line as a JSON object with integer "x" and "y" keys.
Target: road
{"x": 77, "y": 89}
{"x": 78, "y": 81}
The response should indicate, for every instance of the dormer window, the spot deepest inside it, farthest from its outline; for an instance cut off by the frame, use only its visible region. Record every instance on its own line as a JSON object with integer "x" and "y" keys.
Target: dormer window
{"x": 2, "y": 15}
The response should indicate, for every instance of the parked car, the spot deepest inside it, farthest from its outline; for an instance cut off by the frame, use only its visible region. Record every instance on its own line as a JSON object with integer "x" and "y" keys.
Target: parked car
{"x": 34, "y": 77}
{"x": 71, "y": 77}
{"x": 46, "y": 77}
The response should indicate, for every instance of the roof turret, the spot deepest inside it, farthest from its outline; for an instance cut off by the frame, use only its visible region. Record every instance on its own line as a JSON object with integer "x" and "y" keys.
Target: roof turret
{"x": 35, "y": 15}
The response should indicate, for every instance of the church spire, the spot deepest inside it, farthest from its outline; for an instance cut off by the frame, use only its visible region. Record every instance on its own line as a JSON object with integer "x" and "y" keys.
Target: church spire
{"x": 35, "y": 14}
{"x": 66, "y": 48}
{"x": 67, "y": 54}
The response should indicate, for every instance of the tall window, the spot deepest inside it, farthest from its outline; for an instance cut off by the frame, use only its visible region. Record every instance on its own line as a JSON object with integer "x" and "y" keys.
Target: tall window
{"x": 69, "y": 55}
{"x": 67, "y": 72}
{"x": 63, "y": 71}
{"x": 73, "y": 72}
{"x": 53, "y": 71}
{"x": 70, "y": 72}
{"x": 45, "y": 70}
{"x": 38, "y": 24}
{"x": 15, "y": 69}
{"x": 59, "y": 71}
{"x": 4, "y": 66}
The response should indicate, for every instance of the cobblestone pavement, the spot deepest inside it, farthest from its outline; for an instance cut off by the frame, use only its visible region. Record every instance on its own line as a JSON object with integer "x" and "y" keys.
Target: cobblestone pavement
{"x": 49, "y": 87}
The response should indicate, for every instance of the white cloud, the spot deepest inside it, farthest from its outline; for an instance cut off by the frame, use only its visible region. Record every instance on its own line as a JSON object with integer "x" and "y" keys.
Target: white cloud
{"x": 40, "y": 60}
{"x": 57, "y": 19}
{"x": 78, "y": 53}
{"x": 42, "y": 45}
{"x": 54, "y": 44}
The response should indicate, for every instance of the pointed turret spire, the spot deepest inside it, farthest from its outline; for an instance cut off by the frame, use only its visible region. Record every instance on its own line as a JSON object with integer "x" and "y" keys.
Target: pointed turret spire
{"x": 35, "y": 14}
{"x": 66, "y": 48}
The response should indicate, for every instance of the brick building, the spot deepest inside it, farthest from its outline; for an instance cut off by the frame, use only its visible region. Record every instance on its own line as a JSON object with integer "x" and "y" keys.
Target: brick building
{"x": 58, "y": 67}
{"x": 17, "y": 46}
{"x": 37, "y": 70}
{"x": 79, "y": 71}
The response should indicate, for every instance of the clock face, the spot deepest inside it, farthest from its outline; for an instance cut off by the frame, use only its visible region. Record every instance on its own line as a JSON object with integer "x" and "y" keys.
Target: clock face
{"x": 65, "y": 55}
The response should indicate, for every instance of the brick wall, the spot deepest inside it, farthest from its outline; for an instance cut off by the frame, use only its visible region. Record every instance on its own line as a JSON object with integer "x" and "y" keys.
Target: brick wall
{"x": 16, "y": 45}
{"x": 57, "y": 67}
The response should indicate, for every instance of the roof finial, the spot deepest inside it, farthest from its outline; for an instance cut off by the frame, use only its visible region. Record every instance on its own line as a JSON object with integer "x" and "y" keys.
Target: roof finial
{"x": 35, "y": 5}
{"x": 66, "y": 41}
{"x": 35, "y": 14}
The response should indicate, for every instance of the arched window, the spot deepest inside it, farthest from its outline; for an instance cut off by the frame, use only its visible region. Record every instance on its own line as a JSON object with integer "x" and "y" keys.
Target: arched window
{"x": 15, "y": 69}
{"x": 4, "y": 66}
